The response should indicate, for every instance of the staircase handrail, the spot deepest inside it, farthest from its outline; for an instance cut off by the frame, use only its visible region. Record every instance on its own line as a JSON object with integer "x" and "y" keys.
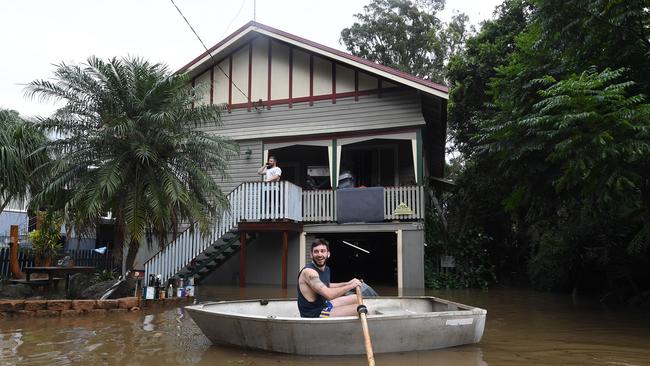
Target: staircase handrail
{"x": 249, "y": 201}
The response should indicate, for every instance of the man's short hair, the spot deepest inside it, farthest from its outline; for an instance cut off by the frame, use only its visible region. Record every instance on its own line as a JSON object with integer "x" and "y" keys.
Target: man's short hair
{"x": 272, "y": 157}
{"x": 320, "y": 241}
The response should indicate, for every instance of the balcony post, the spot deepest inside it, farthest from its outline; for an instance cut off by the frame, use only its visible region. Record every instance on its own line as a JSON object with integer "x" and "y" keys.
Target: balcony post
{"x": 242, "y": 259}
{"x": 285, "y": 253}
{"x": 420, "y": 160}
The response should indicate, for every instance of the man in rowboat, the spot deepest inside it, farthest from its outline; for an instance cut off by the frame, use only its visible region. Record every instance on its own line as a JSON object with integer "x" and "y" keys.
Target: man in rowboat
{"x": 317, "y": 297}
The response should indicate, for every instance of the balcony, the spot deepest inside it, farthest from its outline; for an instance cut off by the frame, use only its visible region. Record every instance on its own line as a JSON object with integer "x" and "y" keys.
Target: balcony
{"x": 258, "y": 201}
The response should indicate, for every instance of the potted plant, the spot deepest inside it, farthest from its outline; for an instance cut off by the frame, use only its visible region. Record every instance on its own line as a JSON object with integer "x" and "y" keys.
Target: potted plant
{"x": 46, "y": 241}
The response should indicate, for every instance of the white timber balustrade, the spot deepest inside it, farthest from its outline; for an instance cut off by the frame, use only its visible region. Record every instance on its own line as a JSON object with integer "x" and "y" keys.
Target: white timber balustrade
{"x": 318, "y": 205}
{"x": 411, "y": 196}
{"x": 252, "y": 201}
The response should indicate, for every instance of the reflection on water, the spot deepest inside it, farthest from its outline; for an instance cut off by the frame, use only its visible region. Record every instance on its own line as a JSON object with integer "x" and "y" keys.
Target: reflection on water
{"x": 523, "y": 327}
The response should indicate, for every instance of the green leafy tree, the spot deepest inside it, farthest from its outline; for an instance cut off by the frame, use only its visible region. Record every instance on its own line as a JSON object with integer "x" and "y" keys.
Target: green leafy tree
{"x": 22, "y": 152}
{"x": 475, "y": 203}
{"x": 581, "y": 158}
{"x": 548, "y": 108}
{"x": 470, "y": 71}
{"x": 129, "y": 143}
{"x": 591, "y": 135}
{"x": 406, "y": 35}
{"x": 602, "y": 33}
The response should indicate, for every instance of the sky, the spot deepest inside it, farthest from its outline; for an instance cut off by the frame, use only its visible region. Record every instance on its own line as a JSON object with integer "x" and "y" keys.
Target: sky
{"x": 37, "y": 34}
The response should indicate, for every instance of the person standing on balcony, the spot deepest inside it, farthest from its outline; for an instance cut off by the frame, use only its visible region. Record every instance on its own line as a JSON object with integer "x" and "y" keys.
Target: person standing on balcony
{"x": 270, "y": 170}
{"x": 317, "y": 297}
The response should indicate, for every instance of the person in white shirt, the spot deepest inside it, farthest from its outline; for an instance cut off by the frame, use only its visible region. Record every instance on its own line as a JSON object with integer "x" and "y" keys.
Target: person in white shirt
{"x": 270, "y": 170}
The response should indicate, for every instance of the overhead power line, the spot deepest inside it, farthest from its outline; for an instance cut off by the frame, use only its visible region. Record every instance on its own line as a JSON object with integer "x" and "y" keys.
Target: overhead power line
{"x": 233, "y": 19}
{"x": 208, "y": 51}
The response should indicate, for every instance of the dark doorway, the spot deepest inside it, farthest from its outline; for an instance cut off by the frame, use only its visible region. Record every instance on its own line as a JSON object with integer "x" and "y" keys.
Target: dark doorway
{"x": 305, "y": 166}
{"x": 379, "y": 267}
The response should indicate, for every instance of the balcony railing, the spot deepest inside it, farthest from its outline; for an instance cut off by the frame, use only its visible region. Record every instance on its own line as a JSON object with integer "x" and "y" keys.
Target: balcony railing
{"x": 400, "y": 203}
{"x": 318, "y": 206}
{"x": 410, "y": 197}
{"x": 255, "y": 201}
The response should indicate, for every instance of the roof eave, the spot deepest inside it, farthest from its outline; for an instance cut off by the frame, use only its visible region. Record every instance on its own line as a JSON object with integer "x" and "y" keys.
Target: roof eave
{"x": 380, "y": 70}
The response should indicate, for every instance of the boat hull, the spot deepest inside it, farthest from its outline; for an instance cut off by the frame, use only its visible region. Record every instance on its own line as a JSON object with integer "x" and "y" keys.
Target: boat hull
{"x": 395, "y": 324}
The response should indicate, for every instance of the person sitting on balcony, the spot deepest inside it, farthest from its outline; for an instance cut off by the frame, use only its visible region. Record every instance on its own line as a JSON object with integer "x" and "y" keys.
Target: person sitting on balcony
{"x": 270, "y": 170}
{"x": 317, "y": 297}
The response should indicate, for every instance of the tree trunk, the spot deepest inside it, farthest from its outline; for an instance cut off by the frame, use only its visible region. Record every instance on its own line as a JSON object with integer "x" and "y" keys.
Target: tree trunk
{"x": 130, "y": 257}
{"x": 15, "y": 266}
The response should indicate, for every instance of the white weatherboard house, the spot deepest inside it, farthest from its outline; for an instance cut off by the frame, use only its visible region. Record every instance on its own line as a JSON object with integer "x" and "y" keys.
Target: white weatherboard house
{"x": 356, "y": 142}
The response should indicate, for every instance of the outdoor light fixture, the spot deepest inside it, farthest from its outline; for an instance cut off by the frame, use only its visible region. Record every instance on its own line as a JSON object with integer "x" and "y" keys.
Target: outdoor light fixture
{"x": 259, "y": 106}
{"x": 248, "y": 153}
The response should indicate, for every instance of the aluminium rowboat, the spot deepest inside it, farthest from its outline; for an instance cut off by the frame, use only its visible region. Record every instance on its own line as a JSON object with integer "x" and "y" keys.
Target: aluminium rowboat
{"x": 396, "y": 324}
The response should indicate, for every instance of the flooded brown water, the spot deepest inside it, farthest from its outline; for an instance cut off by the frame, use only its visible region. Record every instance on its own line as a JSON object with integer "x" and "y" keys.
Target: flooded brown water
{"x": 523, "y": 328}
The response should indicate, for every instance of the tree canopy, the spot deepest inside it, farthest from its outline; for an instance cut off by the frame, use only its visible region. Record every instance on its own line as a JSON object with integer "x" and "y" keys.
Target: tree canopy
{"x": 407, "y": 36}
{"x": 22, "y": 152}
{"x": 129, "y": 142}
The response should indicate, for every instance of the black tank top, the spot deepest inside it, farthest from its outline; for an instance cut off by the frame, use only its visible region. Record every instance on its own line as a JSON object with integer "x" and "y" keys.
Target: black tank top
{"x": 309, "y": 309}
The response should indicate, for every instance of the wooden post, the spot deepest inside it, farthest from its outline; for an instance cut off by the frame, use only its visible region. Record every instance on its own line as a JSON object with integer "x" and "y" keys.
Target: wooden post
{"x": 13, "y": 255}
{"x": 242, "y": 259}
{"x": 285, "y": 254}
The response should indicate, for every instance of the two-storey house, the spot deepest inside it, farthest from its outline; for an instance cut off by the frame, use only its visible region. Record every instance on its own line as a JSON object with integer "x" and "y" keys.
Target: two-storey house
{"x": 356, "y": 142}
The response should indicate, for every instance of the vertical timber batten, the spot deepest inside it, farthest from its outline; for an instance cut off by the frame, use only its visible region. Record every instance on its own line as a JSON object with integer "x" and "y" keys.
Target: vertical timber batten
{"x": 311, "y": 79}
{"x": 230, "y": 83}
{"x": 356, "y": 85}
{"x": 250, "y": 74}
{"x": 212, "y": 85}
{"x": 268, "y": 98}
{"x": 333, "y": 82}
{"x": 290, "y": 76}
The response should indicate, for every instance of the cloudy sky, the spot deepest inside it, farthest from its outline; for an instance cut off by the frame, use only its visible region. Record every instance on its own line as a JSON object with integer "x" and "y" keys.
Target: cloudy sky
{"x": 35, "y": 34}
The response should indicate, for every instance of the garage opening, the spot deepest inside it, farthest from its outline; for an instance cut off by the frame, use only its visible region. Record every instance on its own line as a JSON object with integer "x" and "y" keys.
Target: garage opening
{"x": 377, "y": 268}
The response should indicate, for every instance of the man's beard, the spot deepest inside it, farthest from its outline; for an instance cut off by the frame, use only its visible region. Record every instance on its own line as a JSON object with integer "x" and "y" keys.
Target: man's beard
{"x": 320, "y": 263}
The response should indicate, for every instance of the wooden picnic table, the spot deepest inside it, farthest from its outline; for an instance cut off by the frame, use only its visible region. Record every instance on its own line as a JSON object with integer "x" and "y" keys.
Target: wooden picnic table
{"x": 61, "y": 271}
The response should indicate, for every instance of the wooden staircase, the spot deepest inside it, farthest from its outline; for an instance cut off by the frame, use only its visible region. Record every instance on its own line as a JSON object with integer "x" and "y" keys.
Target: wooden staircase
{"x": 193, "y": 254}
{"x": 212, "y": 258}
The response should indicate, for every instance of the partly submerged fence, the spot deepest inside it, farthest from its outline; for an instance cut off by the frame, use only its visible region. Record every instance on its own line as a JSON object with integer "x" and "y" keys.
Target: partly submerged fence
{"x": 81, "y": 257}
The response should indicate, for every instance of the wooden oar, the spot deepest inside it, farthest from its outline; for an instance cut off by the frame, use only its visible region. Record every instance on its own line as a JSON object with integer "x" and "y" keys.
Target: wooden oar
{"x": 363, "y": 311}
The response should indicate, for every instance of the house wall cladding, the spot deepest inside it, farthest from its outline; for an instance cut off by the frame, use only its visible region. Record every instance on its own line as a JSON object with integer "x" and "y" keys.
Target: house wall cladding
{"x": 243, "y": 168}
{"x": 394, "y": 109}
{"x": 273, "y": 71}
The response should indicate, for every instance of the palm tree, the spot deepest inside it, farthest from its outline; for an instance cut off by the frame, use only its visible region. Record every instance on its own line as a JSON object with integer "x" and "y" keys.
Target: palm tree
{"x": 22, "y": 152}
{"x": 129, "y": 142}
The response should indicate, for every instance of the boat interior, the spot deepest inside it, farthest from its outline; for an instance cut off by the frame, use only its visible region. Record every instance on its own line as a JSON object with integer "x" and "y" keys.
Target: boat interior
{"x": 288, "y": 308}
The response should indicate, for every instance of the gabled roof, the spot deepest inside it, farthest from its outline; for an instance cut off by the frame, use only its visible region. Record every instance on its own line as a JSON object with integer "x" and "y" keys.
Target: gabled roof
{"x": 244, "y": 33}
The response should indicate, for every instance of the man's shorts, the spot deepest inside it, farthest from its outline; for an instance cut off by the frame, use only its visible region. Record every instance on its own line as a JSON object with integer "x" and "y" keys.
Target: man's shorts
{"x": 325, "y": 313}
